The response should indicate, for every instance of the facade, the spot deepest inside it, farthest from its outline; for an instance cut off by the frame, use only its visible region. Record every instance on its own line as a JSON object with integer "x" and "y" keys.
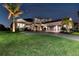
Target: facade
{"x": 54, "y": 26}
{"x": 22, "y": 24}
{"x": 76, "y": 27}
{"x": 41, "y": 24}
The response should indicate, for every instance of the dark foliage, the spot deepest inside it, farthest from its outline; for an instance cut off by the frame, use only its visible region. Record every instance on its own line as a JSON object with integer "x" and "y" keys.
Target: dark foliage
{"x": 2, "y": 27}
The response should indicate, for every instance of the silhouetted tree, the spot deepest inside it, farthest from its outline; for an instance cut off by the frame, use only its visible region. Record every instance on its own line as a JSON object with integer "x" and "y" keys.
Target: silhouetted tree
{"x": 14, "y": 11}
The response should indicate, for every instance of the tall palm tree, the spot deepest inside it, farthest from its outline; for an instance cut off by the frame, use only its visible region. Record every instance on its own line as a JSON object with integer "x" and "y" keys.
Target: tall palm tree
{"x": 67, "y": 23}
{"x": 14, "y": 11}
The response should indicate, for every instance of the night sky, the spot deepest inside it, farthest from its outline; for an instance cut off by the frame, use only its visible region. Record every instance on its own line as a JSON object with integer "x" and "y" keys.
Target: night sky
{"x": 54, "y": 11}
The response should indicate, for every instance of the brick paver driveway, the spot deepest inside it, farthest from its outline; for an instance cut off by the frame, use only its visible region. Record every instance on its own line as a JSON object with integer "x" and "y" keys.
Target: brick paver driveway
{"x": 68, "y": 36}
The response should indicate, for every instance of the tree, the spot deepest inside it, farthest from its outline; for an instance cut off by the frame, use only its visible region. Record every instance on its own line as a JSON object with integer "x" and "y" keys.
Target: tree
{"x": 67, "y": 23}
{"x": 14, "y": 11}
{"x": 2, "y": 27}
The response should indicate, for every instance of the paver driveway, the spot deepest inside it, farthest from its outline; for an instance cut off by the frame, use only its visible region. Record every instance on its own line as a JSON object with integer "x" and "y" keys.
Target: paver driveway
{"x": 68, "y": 36}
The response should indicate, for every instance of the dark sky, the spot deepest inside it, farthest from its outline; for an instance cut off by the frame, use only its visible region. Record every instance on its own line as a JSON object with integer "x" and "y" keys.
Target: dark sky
{"x": 54, "y": 11}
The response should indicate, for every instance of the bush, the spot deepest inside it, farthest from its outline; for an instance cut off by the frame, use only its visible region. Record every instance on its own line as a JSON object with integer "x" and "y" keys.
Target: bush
{"x": 63, "y": 29}
{"x": 2, "y": 27}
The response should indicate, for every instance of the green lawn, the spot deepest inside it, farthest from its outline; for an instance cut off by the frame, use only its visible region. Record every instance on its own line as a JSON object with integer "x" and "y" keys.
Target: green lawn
{"x": 75, "y": 33}
{"x": 36, "y": 44}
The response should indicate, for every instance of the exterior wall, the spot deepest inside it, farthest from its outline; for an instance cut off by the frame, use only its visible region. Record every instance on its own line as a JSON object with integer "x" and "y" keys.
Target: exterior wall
{"x": 54, "y": 23}
{"x": 20, "y": 25}
{"x": 38, "y": 27}
{"x": 54, "y": 27}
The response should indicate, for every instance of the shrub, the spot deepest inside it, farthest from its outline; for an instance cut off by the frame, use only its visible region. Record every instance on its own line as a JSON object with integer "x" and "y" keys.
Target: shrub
{"x": 2, "y": 27}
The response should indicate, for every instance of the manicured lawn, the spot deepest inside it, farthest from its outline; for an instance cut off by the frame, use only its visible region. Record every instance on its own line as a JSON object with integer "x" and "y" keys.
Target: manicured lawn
{"x": 36, "y": 44}
{"x": 75, "y": 33}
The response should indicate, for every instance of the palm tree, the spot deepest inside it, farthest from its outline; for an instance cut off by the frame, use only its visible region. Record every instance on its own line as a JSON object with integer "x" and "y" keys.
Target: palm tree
{"x": 67, "y": 23}
{"x": 14, "y": 11}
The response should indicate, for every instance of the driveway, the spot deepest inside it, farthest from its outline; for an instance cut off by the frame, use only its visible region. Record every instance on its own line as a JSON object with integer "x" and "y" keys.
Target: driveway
{"x": 68, "y": 36}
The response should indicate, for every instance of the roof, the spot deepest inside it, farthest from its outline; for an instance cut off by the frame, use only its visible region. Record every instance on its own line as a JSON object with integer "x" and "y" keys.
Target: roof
{"x": 41, "y": 17}
{"x": 29, "y": 19}
{"x": 53, "y": 21}
{"x": 20, "y": 20}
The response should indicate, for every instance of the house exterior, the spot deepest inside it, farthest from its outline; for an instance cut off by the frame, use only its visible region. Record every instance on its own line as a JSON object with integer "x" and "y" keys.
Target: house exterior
{"x": 21, "y": 24}
{"x": 54, "y": 26}
{"x": 76, "y": 27}
{"x": 41, "y": 24}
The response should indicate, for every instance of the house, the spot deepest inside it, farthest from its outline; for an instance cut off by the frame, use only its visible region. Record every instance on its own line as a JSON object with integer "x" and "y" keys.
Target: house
{"x": 51, "y": 25}
{"x": 22, "y": 24}
{"x": 42, "y": 24}
{"x": 76, "y": 26}
{"x": 54, "y": 25}
{"x": 30, "y": 24}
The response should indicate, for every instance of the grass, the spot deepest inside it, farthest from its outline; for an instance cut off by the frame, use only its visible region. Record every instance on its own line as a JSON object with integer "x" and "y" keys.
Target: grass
{"x": 35, "y": 44}
{"x": 75, "y": 33}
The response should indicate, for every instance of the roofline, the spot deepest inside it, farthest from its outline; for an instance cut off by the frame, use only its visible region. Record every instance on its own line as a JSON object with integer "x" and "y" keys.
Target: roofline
{"x": 53, "y": 21}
